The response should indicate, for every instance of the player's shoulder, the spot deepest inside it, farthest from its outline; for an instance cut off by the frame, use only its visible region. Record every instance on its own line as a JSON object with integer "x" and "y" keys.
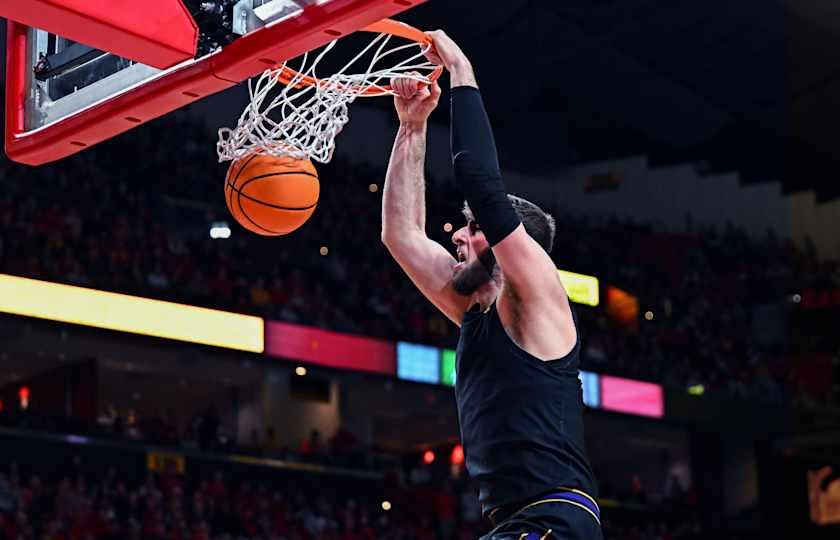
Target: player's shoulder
{"x": 544, "y": 328}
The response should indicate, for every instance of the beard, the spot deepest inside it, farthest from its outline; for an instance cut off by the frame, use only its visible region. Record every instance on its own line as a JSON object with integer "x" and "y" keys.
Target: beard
{"x": 475, "y": 274}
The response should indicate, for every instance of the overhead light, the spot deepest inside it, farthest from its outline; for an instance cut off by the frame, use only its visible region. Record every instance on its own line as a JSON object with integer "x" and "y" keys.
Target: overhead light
{"x": 386, "y": 505}
{"x": 300, "y": 371}
{"x": 219, "y": 229}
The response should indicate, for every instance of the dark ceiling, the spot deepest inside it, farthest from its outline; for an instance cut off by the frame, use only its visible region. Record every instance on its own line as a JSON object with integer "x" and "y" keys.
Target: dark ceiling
{"x": 747, "y": 85}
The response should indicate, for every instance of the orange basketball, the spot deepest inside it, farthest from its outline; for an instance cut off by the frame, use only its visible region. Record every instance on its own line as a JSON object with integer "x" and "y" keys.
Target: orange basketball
{"x": 271, "y": 195}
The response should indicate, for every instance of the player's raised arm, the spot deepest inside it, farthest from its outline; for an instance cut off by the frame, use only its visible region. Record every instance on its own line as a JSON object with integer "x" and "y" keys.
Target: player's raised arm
{"x": 525, "y": 264}
{"x": 427, "y": 263}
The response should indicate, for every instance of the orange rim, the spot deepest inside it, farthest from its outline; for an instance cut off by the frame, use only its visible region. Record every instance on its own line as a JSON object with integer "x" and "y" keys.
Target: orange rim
{"x": 385, "y": 26}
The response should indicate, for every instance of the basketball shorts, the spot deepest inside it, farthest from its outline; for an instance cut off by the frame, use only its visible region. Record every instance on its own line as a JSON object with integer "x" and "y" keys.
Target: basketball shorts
{"x": 561, "y": 515}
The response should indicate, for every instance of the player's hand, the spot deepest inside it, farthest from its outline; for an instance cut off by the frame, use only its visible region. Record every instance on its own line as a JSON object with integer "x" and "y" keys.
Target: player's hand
{"x": 446, "y": 52}
{"x": 414, "y": 100}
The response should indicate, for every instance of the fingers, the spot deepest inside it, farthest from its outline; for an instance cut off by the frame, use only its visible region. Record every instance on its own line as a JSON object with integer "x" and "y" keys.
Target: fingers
{"x": 438, "y": 35}
{"x": 404, "y": 87}
{"x": 441, "y": 41}
{"x": 428, "y": 92}
{"x": 434, "y": 90}
{"x": 423, "y": 92}
{"x": 432, "y": 56}
{"x": 444, "y": 51}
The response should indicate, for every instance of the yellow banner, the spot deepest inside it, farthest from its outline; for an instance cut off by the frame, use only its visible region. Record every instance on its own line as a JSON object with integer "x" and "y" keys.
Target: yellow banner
{"x": 581, "y": 288}
{"x": 112, "y": 311}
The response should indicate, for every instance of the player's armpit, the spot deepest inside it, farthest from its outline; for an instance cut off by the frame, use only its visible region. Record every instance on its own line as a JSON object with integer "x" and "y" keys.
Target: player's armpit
{"x": 429, "y": 266}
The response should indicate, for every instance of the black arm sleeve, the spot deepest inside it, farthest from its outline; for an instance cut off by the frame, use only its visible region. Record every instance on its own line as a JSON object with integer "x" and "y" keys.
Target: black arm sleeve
{"x": 476, "y": 165}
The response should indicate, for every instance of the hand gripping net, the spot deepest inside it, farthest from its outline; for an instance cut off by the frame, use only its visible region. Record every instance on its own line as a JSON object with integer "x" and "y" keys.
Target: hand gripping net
{"x": 307, "y": 112}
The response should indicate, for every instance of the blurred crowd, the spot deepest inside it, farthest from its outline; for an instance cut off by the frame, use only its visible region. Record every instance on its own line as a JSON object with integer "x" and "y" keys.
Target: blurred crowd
{"x": 73, "y": 504}
{"x": 132, "y": 215}
{"x": 207, "y": 433}
{"x": 165, "y": 506}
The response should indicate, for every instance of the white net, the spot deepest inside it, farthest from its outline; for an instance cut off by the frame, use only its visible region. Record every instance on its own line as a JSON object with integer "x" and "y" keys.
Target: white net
{"x": 305, "y": 115}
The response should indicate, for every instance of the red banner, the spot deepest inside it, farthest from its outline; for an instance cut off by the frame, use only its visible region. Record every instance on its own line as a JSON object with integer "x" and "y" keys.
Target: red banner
{"x": 332, "y": 349}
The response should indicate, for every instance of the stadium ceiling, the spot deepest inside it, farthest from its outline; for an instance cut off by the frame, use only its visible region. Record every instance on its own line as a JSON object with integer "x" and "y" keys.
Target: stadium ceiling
{"x": 751, "y": 86}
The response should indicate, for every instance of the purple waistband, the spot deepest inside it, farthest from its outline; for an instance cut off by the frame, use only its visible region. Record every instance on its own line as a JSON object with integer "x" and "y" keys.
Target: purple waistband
{"x": 506, "y": 512}
{"x": 575, "y": 497}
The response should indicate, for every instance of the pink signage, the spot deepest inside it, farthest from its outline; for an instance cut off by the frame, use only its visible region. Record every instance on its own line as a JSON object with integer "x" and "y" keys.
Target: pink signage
{"x": 332, "y": 349}
{"x": 632, "y": 397}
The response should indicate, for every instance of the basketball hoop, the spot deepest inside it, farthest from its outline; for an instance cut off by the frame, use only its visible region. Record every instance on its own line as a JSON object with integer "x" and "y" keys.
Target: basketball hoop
{"x": 309, "y": 111}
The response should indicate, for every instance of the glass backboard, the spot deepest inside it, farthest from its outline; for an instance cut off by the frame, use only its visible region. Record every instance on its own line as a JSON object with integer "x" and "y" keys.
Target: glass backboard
{"x": 64, "y": 95}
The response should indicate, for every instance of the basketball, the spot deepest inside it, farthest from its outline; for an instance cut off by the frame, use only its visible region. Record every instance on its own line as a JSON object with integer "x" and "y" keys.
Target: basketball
{"x": 271, "y": 195}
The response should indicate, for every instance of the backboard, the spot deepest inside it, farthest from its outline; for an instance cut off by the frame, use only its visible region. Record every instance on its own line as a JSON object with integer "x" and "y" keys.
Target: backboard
{"x": 64, "y": 95}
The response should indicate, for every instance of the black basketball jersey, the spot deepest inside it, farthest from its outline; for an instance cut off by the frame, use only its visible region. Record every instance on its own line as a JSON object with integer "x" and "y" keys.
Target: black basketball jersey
{"x": 521, "y": 417}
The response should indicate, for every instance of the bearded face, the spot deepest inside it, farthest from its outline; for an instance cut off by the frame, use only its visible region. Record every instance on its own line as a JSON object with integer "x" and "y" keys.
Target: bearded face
{"x": 470, "y": 276}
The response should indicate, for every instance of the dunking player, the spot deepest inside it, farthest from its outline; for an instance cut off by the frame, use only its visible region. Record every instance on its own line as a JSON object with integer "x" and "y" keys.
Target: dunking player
{"x": 517, "y": 389}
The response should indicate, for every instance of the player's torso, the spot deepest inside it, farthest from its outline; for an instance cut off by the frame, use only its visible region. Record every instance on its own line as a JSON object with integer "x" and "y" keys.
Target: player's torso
{"x": 520, "y": 417}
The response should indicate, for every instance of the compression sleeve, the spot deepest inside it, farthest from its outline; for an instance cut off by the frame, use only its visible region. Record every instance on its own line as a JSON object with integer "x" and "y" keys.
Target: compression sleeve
{"x": 476, "y": 165}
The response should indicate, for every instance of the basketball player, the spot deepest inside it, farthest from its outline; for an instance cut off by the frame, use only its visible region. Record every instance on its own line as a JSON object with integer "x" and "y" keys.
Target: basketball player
{"x": 517, "y": 389}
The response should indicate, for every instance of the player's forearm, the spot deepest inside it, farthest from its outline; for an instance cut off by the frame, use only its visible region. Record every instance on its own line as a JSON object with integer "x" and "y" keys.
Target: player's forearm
{"x": 404, "y": 195}
{"x": 476, "y": 165}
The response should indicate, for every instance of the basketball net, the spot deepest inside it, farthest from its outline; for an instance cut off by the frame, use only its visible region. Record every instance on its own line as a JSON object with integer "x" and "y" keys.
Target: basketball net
{"x": 307, "y": 112}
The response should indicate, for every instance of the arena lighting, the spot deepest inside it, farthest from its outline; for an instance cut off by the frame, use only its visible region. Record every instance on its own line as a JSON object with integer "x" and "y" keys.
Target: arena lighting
{"x": 386, "y": 505}
{"x": 300, "y": 371}
{"x": 428, "y": 457}
{"x": 121, "y": 312}
{"x": 23, "y": 395}
{"x": 696, "y": 389}
{"x": 447, "y": 367}
{"x": 591, "y": 386}
{"x": 76, "y": 439}
{"x": 581, "y": 288}
{"x": 457, "y": 457}
{"x": 329, "y": 348}
{"x": 632, "y": 397}
{"x": 648, "y": 315}
{"x": 418, "y": 363}
{"x": 219, "y": 229}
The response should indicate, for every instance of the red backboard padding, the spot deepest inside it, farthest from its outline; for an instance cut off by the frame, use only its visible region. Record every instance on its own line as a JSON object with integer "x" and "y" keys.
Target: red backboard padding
{"x": 159, "y": 34}
{"x": 246, "y": 57}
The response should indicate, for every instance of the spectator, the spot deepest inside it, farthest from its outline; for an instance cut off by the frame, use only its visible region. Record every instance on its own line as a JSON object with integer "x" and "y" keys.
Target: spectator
{"x": 312, "y": 447}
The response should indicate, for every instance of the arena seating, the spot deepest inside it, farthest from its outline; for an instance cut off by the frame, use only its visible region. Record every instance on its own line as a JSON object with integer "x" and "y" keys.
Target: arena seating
{"x": 97, "y": 222}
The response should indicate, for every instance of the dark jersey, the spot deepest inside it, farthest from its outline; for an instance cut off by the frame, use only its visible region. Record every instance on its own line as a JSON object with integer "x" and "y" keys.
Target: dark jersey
{"x": 521, "y": 417}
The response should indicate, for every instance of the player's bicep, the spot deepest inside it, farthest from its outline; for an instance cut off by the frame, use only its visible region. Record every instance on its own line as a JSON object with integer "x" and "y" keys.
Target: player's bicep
{"x": 527, "y": 267}
{"x": 429, "y": 266}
